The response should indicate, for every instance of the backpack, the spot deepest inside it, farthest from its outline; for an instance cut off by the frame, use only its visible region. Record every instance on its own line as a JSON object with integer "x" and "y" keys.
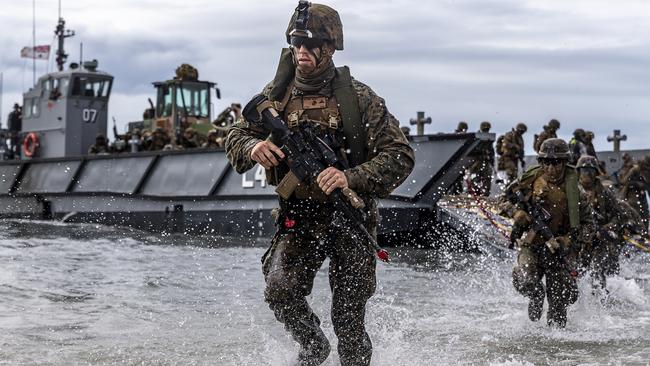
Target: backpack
{"x": 500, "y": 145}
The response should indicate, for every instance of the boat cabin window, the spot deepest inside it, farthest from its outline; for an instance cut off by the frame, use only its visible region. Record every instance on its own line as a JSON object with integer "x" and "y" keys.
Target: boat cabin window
{"x": 27, "y": 108}
{"x": 30, "y": 108}
{"x": 35, "y": 108}
{"x": 57, "y": 88}
{"x": 90, "y": 87}
{"x": 47, "y": 86}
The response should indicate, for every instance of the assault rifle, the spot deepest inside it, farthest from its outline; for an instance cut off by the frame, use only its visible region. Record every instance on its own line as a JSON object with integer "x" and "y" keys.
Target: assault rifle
{"x": 306, "y": 155}
{"x": 539, "y": 216}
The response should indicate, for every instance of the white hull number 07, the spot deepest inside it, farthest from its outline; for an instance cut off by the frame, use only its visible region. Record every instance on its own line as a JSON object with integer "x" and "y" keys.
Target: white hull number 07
{"x": 89, "y": 115}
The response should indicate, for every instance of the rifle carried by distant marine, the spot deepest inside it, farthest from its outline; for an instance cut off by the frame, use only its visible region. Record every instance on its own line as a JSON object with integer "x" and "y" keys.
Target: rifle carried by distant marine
{"x": 306, "y": 155}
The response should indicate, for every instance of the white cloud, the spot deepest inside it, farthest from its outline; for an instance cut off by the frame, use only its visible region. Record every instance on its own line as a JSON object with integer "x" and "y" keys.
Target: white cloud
{"x": 584, "y": 62}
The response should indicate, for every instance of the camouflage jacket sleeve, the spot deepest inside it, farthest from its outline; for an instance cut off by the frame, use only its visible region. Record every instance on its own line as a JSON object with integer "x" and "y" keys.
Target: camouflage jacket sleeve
{"x": 241, "y": 139}
{"x": 510, "y": 145}
{"x": 615, "y": 216}
{"x": 390, "y": 157}
{"x": 584, "y": 234}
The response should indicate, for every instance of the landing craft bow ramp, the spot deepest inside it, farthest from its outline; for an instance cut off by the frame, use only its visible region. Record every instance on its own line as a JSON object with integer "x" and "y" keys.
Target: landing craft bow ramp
{"x": 197, "y": 191}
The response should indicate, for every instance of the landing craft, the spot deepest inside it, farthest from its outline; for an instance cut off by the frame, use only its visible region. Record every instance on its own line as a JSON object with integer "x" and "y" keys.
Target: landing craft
{"x": 196, "y": 190}
{"x": 193, "y": 191}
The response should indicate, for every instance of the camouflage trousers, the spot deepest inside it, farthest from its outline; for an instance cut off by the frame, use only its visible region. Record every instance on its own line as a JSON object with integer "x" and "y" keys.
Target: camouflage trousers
{"x": 510, "y": 166}
{"x": 604, "y": 261}
{"x": 637, "y": 199}
{"x": 289, "y": 268}
{"x": 561, "y": 288}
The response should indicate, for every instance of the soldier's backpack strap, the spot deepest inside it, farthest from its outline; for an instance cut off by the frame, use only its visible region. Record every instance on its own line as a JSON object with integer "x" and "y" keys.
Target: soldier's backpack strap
{"x": 573, "y": 196}
{"x": 528, "y": 177}
{"x": 284, "y": 75}
{"x": 353, "y": 129}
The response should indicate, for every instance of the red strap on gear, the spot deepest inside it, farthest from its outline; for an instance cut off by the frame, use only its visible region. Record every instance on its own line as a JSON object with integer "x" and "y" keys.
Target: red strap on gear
{"x": 289, "y": 223}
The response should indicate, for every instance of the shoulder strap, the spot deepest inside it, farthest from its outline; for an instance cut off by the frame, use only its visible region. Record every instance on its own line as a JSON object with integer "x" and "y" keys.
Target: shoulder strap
{"x": 573, "y": 197}
{"x": 353, "y": 130}
{"x": 283, "y": 76}
{"x": 530, "y": 175}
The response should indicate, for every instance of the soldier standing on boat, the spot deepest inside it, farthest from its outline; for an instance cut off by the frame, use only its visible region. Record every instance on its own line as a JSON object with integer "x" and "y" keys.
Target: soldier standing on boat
{"x": 481, "y": 169}
{"x": 308, "y": 88}
{"x": 462, "y": 127}
{"x": 512, "y": 151}
{"x": 550, "y": 132}
{"x": 577, "y": 145}
{"x": 15, "y": 126}
{"x": 553, "y": 229}
{"x": 100, "y": 147}
{"x": 589, "y": 144}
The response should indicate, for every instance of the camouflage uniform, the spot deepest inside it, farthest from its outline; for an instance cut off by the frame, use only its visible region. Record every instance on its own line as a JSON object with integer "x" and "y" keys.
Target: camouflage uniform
{"x": 100, "y": 147}
{"x": 158, "y": 140}
{"x": 15, "y": 126}
{"x": 610, "y": 220}
{"x": 213, "y": 141}
{"x": 305, "y": 236}
{"x": 483, "y": 165}
{"x": 590, "y": 149}
{"x": 577, "y": 146}
{"x": 190, "y": 139}
{"x": 512, "y": 151}
{"x": 562, "y": 199}
{"x": 550, "y": 132}
{"x": 634, "y": 189}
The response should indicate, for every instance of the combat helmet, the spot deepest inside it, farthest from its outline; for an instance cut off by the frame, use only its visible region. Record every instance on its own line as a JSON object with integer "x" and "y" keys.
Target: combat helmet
{"x": 579, "y": 134}
{"x": 485, "y": 126}
{"x": 554, "y": 148}
{"x": 311, "y": 24}
{"x": 554, "y": 124}
{"x": 462, "y": 127}
{"x": 521, "y": 127}
{"x": 587, "y": 161}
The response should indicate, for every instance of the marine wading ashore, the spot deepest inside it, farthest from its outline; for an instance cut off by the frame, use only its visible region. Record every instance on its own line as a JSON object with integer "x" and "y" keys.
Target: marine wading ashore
{"x": 337, "y": 172}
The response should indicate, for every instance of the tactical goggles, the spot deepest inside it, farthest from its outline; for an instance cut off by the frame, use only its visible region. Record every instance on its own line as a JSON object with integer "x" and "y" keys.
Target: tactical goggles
{"x": 588, "y": 170}
{"x": 551, "y": 162}
{"x": 309, "y": 43}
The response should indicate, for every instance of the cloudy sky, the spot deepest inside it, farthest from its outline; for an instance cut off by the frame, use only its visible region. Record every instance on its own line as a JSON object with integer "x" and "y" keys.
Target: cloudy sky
{"x": 584, "y": 62}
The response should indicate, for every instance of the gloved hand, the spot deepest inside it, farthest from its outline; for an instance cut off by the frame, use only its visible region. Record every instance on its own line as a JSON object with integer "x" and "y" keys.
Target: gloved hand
{"x": 553, "y": 245}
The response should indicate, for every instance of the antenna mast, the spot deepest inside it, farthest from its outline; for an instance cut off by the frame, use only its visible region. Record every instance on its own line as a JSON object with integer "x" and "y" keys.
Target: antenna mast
{"x": 61, "y": 34}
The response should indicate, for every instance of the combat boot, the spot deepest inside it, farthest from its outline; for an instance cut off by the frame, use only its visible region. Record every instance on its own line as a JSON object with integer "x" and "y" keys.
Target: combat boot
{"x": 314, "y": 345}
{"x": 556, "y": 316}
{"x": 536, "y": 304}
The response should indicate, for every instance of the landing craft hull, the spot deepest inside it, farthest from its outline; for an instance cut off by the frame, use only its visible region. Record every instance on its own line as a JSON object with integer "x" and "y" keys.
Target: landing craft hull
{"x": 196, "y": 191}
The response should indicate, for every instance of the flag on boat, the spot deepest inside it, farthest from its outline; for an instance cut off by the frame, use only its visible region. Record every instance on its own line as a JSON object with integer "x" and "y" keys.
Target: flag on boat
{"x": 37, "y": 52}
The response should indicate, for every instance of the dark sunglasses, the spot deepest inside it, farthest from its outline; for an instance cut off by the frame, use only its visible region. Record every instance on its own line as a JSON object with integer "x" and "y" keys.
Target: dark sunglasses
{"x": 587, "y": 171}
{"x": 551, "y": 162}
{"x": 309, "y": 43}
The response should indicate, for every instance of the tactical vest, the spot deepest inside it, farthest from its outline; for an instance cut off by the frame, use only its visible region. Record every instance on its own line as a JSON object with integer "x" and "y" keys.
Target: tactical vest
{"x": 347, "y": 115}
{"x": 338, "y": 114}
{"x": 571, "y": 190}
